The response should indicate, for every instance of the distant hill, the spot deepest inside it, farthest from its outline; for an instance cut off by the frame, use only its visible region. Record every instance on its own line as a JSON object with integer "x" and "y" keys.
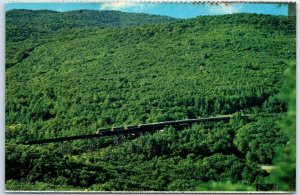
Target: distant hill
{"x": 32, "y": 23}
{"x": 26, "y": 29}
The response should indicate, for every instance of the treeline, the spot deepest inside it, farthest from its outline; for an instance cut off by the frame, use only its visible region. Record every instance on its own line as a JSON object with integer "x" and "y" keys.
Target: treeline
{"x": 24, "y": 24}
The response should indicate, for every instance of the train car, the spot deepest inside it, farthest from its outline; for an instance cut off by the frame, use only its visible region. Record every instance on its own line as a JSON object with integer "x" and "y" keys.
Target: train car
{"x": 169, "y": 123}
{"x": 131, "y": 127}
{"x": 141, "y": 125}
{"x": 117, "y": 128}
{"x": 152, "y": 126}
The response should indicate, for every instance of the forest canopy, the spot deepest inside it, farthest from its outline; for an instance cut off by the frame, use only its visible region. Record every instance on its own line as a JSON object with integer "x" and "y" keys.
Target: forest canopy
{"x": 71, "y": 73}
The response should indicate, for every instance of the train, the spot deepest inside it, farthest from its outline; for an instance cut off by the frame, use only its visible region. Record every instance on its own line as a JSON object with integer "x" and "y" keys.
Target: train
{"x": 132, "y": 129}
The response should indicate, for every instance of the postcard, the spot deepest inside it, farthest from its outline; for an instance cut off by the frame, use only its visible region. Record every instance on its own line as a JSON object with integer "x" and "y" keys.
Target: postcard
{"x": 150, "y": 97}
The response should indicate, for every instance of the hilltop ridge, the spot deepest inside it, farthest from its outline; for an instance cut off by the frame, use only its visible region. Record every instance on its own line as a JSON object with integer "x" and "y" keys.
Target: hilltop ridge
{"x": 34, "y": 23}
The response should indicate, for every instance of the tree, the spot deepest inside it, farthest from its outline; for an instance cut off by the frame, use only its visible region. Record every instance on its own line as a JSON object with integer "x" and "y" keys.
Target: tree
{"x": 284, "y": 175}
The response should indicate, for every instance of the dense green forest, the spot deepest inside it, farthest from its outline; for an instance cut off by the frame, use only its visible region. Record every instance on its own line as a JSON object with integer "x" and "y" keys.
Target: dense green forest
{"x": 71, "y": 73}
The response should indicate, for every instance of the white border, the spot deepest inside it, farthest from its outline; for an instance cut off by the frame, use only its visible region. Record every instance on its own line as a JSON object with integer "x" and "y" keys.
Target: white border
{"x": 2, "y": 96}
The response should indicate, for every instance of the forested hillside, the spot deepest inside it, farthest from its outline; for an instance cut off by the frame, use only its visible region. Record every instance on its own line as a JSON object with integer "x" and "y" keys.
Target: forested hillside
{"x": 26, "y": 29}
{"x": 72, "y": 73}
{"x": 28, "y": 23}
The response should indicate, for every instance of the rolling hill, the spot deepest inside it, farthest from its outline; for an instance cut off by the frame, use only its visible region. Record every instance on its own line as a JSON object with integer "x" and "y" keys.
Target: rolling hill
{"x": 72, "y": 73}
{"x": 34, "y": 23}
{"x": 26, "y": 29}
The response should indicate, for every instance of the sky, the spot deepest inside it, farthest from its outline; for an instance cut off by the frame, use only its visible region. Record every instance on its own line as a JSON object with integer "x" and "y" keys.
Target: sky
{"x": 176, "y": 10}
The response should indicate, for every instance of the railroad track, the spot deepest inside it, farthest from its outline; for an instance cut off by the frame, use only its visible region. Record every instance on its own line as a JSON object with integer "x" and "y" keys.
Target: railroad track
{"x": 132, "y": 129}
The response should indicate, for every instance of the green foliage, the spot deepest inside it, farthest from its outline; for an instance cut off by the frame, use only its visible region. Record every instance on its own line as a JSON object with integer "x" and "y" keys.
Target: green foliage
{"x": 147, "y": 74}
{"x": 284, "y": 176}
{"x": 24, "y": 24}
{"x": 29, "y": 162}
{"x": 27, "y": 29}
{"x": 259, "y": 140}
{"x": 72, "y": 73}
{"x": 169, "y": 160}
